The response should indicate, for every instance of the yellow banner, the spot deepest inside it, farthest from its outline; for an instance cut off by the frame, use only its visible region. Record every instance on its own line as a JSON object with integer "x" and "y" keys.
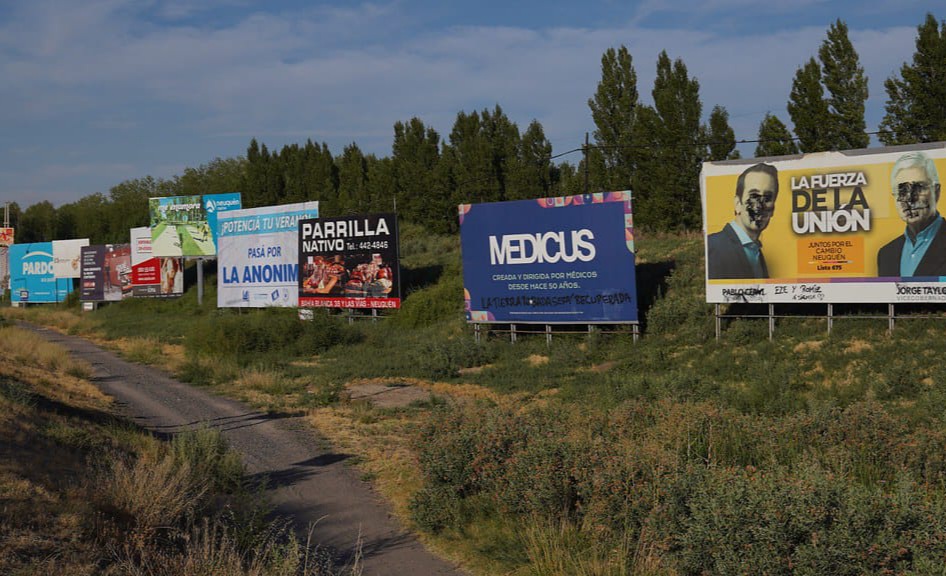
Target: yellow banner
{"x": 830, "y": 216}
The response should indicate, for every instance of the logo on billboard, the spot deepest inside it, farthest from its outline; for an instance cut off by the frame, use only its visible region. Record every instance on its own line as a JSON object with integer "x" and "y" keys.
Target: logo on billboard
{"x": 535, "y": 248}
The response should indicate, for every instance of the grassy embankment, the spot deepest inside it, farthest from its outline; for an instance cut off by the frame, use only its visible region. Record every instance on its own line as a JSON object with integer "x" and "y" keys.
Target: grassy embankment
{"x": 84, "y": 492}
{"x": 812, "y": 454}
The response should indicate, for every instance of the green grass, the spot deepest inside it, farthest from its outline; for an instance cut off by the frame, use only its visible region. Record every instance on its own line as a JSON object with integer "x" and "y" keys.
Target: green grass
{"x": 672, "y": 454}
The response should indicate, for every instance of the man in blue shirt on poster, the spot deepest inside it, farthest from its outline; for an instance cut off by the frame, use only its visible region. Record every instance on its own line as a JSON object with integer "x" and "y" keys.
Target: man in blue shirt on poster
{"x": 921, "y": 249}
{"x": 735, "y": 252}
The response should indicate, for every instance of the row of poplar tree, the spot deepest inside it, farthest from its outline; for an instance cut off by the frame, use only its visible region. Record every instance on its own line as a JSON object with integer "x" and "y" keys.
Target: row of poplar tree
{"x": 655, "y": 150}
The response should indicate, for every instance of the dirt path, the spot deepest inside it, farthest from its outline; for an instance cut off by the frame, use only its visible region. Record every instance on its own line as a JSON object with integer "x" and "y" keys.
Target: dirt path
{"x": 307, "y": 480}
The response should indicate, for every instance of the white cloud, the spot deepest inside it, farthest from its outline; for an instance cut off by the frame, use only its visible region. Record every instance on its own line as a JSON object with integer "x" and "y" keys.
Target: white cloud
{"x": 181, "y": 94}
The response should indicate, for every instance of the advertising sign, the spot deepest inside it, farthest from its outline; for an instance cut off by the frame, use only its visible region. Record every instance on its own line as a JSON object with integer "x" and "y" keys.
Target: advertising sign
{"x": 349, "y": 262}
{"x": 258, "y": 255}
{"x": 6, "y": 236}
{"x": 150, "y": 276}
{"x": 216, "y": 204}
{"x": 565, "y": 260}
{"x": 179, "y": 227}
{"x": 66, "y": 257}
{"x": 31, "y": 274}
{"x": 106, "y": 273}
{"x": 831, "y": 227}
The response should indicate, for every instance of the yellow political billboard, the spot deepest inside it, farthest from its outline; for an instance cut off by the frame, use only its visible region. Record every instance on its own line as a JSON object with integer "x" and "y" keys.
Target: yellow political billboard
{"x": 832, "y": 227}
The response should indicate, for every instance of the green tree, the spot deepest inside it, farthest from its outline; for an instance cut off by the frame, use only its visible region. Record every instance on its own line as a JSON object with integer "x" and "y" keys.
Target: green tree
{"x": 808, "y": 109}
{"x": 667, "y": 184}
{"x": 614, "y": 109}
{"x": 37, "y": 223}
{"x": 916, "y": 101}
{"x": 844, "y": 80}
{"x": 721, "y": 140}
{"x": 352, "y": 182}
{"x": 127, "y": 205}
{"x": 774, "y": 138}
{"x": 380, "y": 184}
{"x": 216, "y": 177}
{"x": 415, "y": 155}
{"x": 531, "y": 172}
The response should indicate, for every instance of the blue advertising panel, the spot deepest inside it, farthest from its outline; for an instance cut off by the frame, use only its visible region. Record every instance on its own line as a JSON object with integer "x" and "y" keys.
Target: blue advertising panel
{"x": 215, "y": 204}
{"x": 565, "y": 260}
{"x": 31, "y": 274}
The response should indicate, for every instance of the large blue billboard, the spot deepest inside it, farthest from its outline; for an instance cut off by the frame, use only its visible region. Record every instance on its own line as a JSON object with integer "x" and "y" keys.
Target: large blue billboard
{"x": 565, "y": 260}
{"x": 31, "y": 274}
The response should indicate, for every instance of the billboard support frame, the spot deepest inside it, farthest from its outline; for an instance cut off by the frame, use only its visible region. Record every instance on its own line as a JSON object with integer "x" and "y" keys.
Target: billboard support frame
{"x": 830, "y": 316}
{"x": 547, "y": 330}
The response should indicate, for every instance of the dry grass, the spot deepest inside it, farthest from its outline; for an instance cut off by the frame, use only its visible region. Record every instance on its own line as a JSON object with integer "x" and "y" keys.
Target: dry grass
{"x": 49, "y": 316}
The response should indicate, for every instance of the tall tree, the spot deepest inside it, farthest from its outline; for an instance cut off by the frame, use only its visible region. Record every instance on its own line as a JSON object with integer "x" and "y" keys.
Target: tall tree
{"x": 808, "y": 108}
{"x": 916, "y": 101}
{"x": 530, "y": 173}
{"x": 415, "y": 155}
{"x": 844, "y": 80}
{"x": 381, "y": 184}
{"x": 774, "y": 138}
{"x": 37, "y": 223}
{"x": 667, "y": 184}
{"x": 352, "y": 181}
{"x": 720, "y": 138}
{"x": 613, "y": 109}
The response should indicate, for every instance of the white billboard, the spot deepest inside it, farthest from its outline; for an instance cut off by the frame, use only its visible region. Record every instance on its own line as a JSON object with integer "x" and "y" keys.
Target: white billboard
{"x": 66, "y": 254}
{"x": 257, "y": 255}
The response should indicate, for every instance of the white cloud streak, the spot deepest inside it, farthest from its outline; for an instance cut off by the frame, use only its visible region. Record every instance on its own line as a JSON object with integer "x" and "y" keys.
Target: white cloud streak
{"x": 188, "y": 93}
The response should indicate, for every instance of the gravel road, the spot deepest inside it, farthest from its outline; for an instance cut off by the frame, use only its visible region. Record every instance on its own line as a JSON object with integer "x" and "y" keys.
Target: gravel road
{"x": 308, "y": 481}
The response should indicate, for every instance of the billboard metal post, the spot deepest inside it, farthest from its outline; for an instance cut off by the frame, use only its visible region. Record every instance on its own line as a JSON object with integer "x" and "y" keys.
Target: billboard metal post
{"x": 636, "y": 331}
{"x": 512, "y": 333}
{"x": 771, "y": 321}
{"x": 718, "y": 323}
{"x": 830, "y": 317}
{"x": 200, "y": 281}
{"x": 476, "y": 333}
{"x": 890, "y": 318}
{"x": 548, "y": 335}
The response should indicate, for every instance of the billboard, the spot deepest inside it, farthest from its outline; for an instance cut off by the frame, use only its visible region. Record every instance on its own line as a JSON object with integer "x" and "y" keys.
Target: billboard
{"x": 31, "y": 274}
{"x": 151, "y": 276}
{"x": 216, "y": 204}
{"x": 349, "y": 262}
{"x": 258, "y": 255}
{"x": 831, "y": 227}
{"x": 66, "y": 255}
{"x": 185, "y": 225}
{"x": 565, "y": 260}
{"x": 6, "y": 236}
{"x": 106, "y": 273}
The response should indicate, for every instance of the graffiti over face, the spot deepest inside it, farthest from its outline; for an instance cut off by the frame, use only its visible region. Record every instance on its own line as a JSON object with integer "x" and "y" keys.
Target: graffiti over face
{"x": 916, "y": 197}
{"x": 754, "y": 210}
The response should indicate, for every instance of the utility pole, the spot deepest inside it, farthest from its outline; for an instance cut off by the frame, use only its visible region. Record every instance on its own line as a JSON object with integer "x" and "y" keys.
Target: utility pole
{"x": 585, "y": 151}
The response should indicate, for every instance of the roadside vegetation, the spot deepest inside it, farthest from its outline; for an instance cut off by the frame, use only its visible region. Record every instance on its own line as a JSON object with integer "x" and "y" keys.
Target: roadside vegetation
{"x": 677, "y": 454}
{"x": 84, "y": 492}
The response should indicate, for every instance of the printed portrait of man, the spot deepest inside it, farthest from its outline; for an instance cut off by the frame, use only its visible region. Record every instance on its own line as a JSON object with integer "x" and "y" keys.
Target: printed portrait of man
{"x": 921, "y": 249}
{"x": 735, "y": 252}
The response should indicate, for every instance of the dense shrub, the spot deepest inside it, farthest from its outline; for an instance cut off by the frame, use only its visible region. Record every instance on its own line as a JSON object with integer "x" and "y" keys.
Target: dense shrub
{"x": 268, "y": 334}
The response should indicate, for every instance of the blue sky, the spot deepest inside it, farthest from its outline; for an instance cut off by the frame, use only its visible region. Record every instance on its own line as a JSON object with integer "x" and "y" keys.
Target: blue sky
{"x": 101, "y": 91}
